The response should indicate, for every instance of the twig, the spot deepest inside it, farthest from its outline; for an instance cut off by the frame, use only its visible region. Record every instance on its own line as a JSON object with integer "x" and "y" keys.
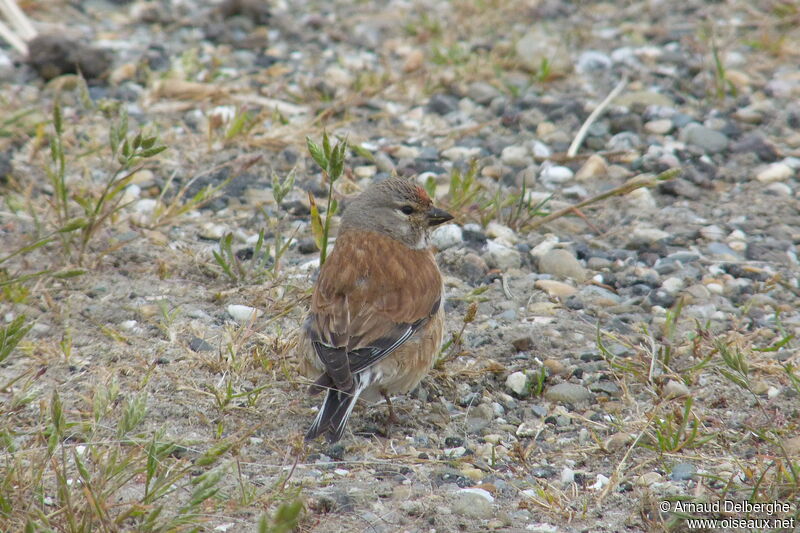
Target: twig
{"x": 13, "y": 39}
{"x": 637, "y": 182}
{"x": 576, "y": 143}
{"x": 17, "y": 19}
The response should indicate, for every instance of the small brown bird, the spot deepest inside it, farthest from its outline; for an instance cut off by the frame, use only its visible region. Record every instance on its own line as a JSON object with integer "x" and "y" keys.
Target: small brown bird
{"x": 377, "y": 318}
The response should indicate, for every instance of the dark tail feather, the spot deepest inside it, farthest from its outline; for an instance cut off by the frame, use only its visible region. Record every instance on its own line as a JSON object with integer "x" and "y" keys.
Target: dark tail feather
{"x": 334, "y": 413}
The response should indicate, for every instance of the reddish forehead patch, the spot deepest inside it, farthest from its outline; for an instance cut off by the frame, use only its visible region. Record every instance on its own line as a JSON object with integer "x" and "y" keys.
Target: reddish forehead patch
{"x": 423, "y": 195}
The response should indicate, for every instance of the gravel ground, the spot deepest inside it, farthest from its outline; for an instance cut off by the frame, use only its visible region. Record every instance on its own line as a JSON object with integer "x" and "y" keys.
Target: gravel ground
{"x": 592, "y": 383}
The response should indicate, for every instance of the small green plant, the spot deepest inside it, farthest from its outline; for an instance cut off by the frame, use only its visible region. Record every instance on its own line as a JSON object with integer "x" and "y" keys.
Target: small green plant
{"x": 127, "y": 154}
{"x": 331, "y": 161}
{"x": 242, "y": 122}
{"x": 264, "y": 258}
{"x": 676, "y": 431}
{"x": 452, "y": 348}
{"x": 11, "y": 335}
{"x": 285, "y": 519}
{"x": 464, "y": 188}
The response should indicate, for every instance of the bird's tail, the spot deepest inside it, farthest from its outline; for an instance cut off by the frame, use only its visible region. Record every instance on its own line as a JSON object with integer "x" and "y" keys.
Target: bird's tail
{"x": 335, "y": 411}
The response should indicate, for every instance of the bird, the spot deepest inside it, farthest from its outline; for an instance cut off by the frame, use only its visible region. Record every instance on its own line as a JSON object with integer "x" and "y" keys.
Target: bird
{"x": 376, "y": 318}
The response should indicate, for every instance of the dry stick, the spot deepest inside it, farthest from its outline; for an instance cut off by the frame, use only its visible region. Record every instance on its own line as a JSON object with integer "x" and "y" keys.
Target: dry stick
{"x": 13, "y": 39}
{"x": 576, "y": 143}
{"x": 637, "y": 182}
{"x": 17, "y": 19}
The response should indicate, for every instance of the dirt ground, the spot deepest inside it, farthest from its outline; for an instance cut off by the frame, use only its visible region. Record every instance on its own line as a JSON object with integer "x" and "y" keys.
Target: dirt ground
{"x": 631, "y": 355}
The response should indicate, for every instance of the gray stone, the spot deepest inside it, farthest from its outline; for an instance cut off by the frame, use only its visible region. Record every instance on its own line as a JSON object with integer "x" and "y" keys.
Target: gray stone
{"x": 482, "y": 92}
{"x": 502, "y": 257}
{"x": 711, "y": 141}
{"x": 683, "y": 472}
{"x": 563, "y": 264}
{"x": 473, "y": 503}
{"x": 567, "y": 393}
{"x": 591, "y": 61}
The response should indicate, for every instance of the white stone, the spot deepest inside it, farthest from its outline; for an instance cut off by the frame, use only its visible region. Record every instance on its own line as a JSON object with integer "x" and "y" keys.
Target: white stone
{"x": 365, "y": 171}
{"x": 600, "y": 482}
{"x": 780, "y": 189}
{"x": 712, "y": 232}
{"x": 643, "y": 199}
{"x": 516, "y": 156}
{"x": 243, "y": 313}
{"x": 541, "y": 150}
{"x": 545, "y": 246}
{"x": 649, "y": 235}
{"x": 447, "y": 236}
{"x": 461, "y": 153}
{"x": 145, "y": 206}
{"x": 715, "y": 288}
{"x": 555, "y": 174}
{"x": 567, "y": 475}
{"x": 485, "y": 494}
{"x": 518, "y": 382}
{"x": 209, "y": 230}
{"x": 502, "y": 233}
{"x": 775, "y": 172}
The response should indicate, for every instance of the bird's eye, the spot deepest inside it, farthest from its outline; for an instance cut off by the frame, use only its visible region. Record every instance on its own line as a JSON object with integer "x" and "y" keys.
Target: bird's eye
{"x": 406, "y": 209}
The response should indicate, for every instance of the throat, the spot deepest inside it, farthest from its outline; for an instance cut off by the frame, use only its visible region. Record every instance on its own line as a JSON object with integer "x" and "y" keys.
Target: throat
{"x": 421, "y": 244}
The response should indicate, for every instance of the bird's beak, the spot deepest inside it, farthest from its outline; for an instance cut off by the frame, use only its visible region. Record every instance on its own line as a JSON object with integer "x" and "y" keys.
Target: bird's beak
{"x": 437, "y": 216}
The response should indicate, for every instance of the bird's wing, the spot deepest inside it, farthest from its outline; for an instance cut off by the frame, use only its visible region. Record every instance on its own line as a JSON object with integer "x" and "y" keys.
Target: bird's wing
{"x": 372, "y": 295}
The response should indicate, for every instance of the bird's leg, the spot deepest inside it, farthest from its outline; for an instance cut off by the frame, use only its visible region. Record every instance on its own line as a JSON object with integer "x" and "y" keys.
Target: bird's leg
{"x": 392, "y": 418}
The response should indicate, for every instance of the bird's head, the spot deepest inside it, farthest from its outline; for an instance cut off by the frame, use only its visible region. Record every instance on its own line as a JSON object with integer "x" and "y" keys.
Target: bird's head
{"x": 396, "y": 207}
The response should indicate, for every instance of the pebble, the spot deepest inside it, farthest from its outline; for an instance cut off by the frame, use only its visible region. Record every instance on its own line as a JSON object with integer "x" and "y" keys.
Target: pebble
{"x": 711, "y": 141}
{"x": 648, "y": 479}
{"x": 658, "y": 127}
{"x": 243, "y": 313}
{"x": 567, "y": 393}
{"x": 473, "y": 503}
{"x": 554, "y": 367}
{"x": 540, "y": 44}
{"x": 503, "y": 234}
{"x": 672, "y": 285}
{"x": 777, "y": 188}
{"x": 675, "y": 389}
{"x": 683, "y": 472}
{"x": 642, "y": 199}
{"x": 447, "y": 236}
{"x": 554, "y": 174}
{"x": 555, "y": 289}
{"x": 599, "y": 296}
{"x": 600, "y": 482}
{"x": 591, "y": 61}
{"x": 563, "y": 264}
{"x": 527, "y": 430}
{"x": 594, "y": 167}
{"x": 617, "y": 441}
{"x": 518, "y": 383}
{"x": 212, "y": 231}
{"x": 567, "y": 475}
{"x": 501, "y": 257}
{"x": 648, "y": 236}
{"x": 482, "y": 92}
{"x": 516, "y": 156}
{"x": 775, "y": 172}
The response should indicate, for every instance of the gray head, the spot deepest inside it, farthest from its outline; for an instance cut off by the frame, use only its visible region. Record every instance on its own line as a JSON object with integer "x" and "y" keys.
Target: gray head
{"x": 396, "y": 207}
